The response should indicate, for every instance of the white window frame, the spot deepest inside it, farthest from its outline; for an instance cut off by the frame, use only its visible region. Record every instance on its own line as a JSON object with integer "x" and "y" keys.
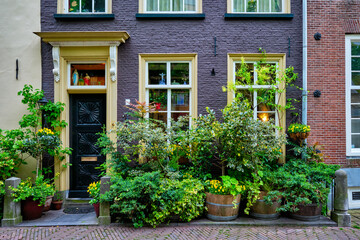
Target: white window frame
{"x": 84, "y": 87}
{"x": 283, "y": 8}
{"x": 169, "y": 87}
{"x": 348, "y": 39}
{"x": 171, "y": 7}
{"x": 66, "y": 8}
{"x": 256, "y": 87}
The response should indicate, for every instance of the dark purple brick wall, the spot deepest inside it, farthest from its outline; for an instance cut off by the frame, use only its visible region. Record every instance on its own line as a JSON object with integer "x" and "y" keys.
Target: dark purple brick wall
{"x": 183, "y": 36}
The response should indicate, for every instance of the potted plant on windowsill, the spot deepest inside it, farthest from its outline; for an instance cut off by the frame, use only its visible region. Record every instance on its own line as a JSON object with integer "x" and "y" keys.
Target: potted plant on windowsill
{"x": 33, "y": 196}
{"x": 94, "y": 192}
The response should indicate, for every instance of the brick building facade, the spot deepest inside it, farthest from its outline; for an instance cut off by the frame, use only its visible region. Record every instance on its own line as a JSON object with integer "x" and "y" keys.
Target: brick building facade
{"x": 329, "y": 70}
{"x": 204, "y": 38}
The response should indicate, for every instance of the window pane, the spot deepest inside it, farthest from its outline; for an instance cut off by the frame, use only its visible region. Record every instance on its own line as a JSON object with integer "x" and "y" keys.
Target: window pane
{"x": 355, "y": 111}
{"x": 86, "y": 5}
{"x": 180, "y": 100}
{"x": 157, "y": 73}
{"x": 175, "y": 116}
{"x": 266, "y": 74}
{"x": 276, "y": 5}
{"x": 164, "y": 5}
{"x": 74, "y": 6}
{"x": 88, "y": 74}
{"x": 99, "y": 5}
{"x": 239, "y": 6}
{"x": 245, "y": 95}
{"x": 355, "y": 96}
{"x": 355, "y": 125}
{"x": 159, "y": 116}
{"x": 251, "y": 6}
{"x": 243, "y": 78}
{"x": 264, "y": 6}
{"x": 151, "y": 5}
{"x": 159, "y": 97}
{"x": 355, "y": 141}
{"x": 355, "y": 63}
{"x": 355, "y": 78}
{"x": 264, "y": 98}
{"x": 190, "y": 5}
{"x": 355, "y": 48}
{"x": 265, "y": 117}
{"x": 177, "y": 5}
{"x": 179, "y": 73}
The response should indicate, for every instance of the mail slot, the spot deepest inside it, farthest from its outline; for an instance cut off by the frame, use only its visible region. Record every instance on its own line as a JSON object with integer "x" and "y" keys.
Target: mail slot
{"x": 88, "y": 159}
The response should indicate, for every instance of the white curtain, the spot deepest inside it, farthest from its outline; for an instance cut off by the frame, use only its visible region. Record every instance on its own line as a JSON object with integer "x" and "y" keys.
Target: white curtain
{"x": 164, "y": 5}
{"x": 151, "y": 5}
{"x": 238, "y": 6}
{"x": 190, "y": 5}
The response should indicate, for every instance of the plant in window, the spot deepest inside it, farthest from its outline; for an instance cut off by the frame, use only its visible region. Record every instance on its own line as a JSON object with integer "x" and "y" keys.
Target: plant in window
{"x": 251, "y": 6}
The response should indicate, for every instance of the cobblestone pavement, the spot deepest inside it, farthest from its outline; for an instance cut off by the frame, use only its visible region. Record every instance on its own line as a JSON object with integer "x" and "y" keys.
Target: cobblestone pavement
{"x": 355, "y": 218}
{"x": 179, "y": 232}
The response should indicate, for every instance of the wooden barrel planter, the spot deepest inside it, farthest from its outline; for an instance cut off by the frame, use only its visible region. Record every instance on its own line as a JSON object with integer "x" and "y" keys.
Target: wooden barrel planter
{"x": 261, "y": 210}
{"x": 308, "y": 212}
{"x": 221, "y": 207}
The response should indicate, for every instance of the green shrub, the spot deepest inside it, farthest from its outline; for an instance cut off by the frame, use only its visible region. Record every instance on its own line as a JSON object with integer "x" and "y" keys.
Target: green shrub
{"x": 150, "y": 199}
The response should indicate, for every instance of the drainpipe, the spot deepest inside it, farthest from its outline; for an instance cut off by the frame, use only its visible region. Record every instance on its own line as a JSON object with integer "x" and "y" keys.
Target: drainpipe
{"x": 304, "y": 72}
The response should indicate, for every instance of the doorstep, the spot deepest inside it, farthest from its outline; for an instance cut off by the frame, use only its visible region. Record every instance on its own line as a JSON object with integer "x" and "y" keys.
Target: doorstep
{"x": 59, "y": 218}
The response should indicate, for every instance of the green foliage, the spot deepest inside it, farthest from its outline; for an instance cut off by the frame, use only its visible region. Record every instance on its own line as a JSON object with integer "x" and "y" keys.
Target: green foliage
{"x": 58, "y": 196}
{"x": 35, "y": 140}
{"x": 228, "y": 185}
{"x": 152, "y": 199}
{"x": 237, "y": 140}
{"x": 38, "y": 190}
{"x": 309, "y": 153}
{"x": 302, "y": 182}
{"x": 94, "y": 192}
{"x": 267, "y": 74}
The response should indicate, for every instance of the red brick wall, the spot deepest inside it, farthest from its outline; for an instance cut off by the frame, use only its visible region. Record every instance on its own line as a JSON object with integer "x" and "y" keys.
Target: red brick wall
{"x": 326, "y": 72}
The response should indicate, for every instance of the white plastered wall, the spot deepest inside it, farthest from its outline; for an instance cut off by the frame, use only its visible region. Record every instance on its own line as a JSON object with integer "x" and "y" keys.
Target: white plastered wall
{"x": 19, "y": 19}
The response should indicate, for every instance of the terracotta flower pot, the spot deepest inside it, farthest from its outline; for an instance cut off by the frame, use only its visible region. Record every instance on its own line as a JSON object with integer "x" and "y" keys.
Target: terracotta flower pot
{"x": 97, "y": 208}
{"x": 47, "y": 204}
{"x": 261, "y": 210}
{"x": 221, "y": 207}
{"x": 56, "y": 205}
{"x": 30, "y": 209}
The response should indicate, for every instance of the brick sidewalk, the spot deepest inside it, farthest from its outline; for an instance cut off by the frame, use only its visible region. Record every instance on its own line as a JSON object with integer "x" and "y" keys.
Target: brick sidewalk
{"x": 184, "y": 232}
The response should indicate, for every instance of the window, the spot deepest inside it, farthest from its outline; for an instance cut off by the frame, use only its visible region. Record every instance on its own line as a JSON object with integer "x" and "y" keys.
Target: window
{"x": 170, "y": 84}
{"x": 353, "y": 94}
{"x": 259, "y": 6}
{"x": 170, "y": 6}
{"x": 84, "y": 6}
{"x": 255, "y": 92}
{"x": 87, "y": 75}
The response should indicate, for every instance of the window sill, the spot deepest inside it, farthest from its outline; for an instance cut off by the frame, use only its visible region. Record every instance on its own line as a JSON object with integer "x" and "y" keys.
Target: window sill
{"x": 69, "y": 16}
{"x": 231, "y": 16}
{"x": 170, "y": 16}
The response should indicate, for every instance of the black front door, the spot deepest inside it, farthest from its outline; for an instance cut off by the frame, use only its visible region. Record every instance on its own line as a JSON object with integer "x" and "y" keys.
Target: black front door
{"x": 87, "y": 117}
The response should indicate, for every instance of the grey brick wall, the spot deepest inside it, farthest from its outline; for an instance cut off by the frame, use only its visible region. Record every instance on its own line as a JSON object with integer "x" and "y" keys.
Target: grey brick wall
{"x": 183, "y": 36}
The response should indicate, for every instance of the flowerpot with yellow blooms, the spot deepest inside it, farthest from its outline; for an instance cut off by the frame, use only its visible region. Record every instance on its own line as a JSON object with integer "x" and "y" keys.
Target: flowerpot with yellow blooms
{"x": 298, "y": 132}
{"x": 223, "y": 198}
{"x": 33, "y": 196}
{"x": 94, "y": 192}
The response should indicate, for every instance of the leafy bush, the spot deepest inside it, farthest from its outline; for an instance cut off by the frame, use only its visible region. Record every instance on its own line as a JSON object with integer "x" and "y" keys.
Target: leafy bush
{"x": 152, "y": 199}
{"x": 39, "y": 190}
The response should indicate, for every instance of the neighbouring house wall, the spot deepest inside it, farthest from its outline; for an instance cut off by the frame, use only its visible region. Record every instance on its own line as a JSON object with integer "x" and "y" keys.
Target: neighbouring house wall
{"x": 326, "y": 72}
{"x": 19, "y": 21}
{"x": 183, "y": 36}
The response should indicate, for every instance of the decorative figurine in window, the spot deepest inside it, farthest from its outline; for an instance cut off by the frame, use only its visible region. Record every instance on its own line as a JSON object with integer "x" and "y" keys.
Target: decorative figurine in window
{"x": 162, "y": 81}
{"x": 75, "y": 77}
{"x": 81, "y": 80}
{"x": 87, "y": 80}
